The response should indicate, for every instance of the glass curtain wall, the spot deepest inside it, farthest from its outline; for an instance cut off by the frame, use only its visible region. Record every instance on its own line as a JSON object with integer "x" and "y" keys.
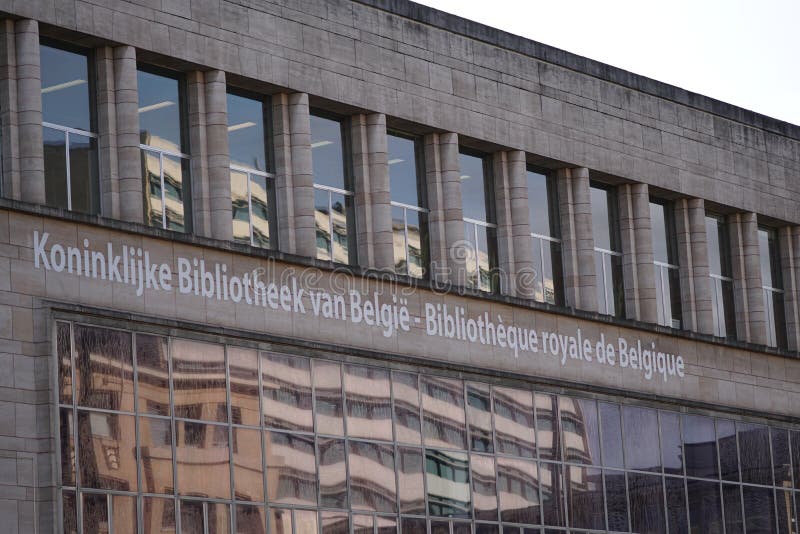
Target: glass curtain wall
{"x": 772, "y": 285}
{"x": 480, "y": 227}
{"x": 409, "y": 214}
{"x": 68, "y": 130}
{"x": 252, "y": 182}
{"x": 546, "y": 236}
{"x": 176, "y": 435}
{"x": 719, "y": 265}
{"x": 165, "y": 150}
{"x": 665, "y": 261}
{"x": 333, "y": 191}
{"x": 607, "y": 251}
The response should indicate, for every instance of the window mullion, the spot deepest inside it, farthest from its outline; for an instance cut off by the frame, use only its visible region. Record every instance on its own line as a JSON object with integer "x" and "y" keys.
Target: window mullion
{"x": 250, "y": 208}
{"x": 68, "y": 171}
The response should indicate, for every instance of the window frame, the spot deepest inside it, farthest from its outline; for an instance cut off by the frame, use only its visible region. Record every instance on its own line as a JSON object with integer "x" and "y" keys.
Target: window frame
{"x": 671, "y": 266}
{"x": 490, "y": 224}
{"x": 774, "y": 294}
{"x": 612, "y": 207}
{"x": 555, "y": 237}
{"x": 720, "y": 314}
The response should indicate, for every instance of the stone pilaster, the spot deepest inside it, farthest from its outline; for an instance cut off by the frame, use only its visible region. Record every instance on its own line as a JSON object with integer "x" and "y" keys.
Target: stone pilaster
{"x": 200, "y": 213}
{"x": 302, "y": 175}
{"x": 575, "y": 209}
{"x": 9, "y": 133}
{"x": 382, "y": 237}
{"x": 696, "y": 299}
{"x": 789, "y": 244}
{"x": 747, "y": 291}
{"x": 107, "y": 132}
{"x": 282, "y": 150}
{"x": 360, "y": 154}
{"x": 29, "y": 112}
{"x": 129, "y": 162}
{"x": 636, "y": 237}
{"x": 219, "y": 174}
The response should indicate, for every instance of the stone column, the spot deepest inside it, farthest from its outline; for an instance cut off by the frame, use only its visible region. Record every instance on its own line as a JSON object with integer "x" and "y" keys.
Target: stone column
{"x": 302, "y": 175}
{"x": 696, "y": 301}
{"x": 382, "y": 235}
{"x": 219, "y": 173}
{"x": 445, "y": 220}
{"x": 107, "y": 132}
{"x": 747, "y": 291}
{"x": 789, "y": 244}
{"x": 636, "y": 236}
{"x": 9, "y": 135}
{"x": 200, "y": 214}
{"x": 360, "y": 154}
{"x": 29, "y": 112}
{"x": 575, "y": 209}
{"x": 129, "y": 162}
{"x": 282, "y": 150}
{"x": 515, "y": 256}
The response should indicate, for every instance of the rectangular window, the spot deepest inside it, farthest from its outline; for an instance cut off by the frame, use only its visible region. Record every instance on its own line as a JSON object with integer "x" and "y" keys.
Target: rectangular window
{"x": 480, "y": 228}
{"x": 719, "y": 266}
{"x": 252, "y": 182}
{"x": 772, "y": 285}
{"x": 543, "y": 203}
{"x": 665, "y": 261}
{"x": 333, "y": 191}
{"x": 409, "y": 215}
{"x": 164, "y": 145}
{"x": 68, "y": 130}
{"x": 607, "y": 252}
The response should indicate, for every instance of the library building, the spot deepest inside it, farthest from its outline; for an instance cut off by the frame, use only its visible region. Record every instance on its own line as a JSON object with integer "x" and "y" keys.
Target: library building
{"x": 366, "y": 267}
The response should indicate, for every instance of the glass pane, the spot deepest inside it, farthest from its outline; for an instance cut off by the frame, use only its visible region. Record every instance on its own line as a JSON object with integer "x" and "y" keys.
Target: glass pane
{"x": 386, "y": 524}
{"x": 647, "y": 502}
{"x": 107, "y": 456}
{"x": 66, "y": 426}
{"x": 399, "y": 240}
{"x": 305, "y": 522}
{"x": 103, "y": 368}
{"x": 447, "y": 476}
{"x": 705, "y": 508}
{"x": 322, "y": 223}
{"x": 160, "y": 111}
{"x": 247, "y": 465}
{"x": 781, "y": 461}
{"x": 151, "y": 171}
{"x": 158, "y": 515}
{"x": 405, "y": 388}
{"x": 410, "y": 483}
{"x": 539, "y": 205}
{"x": 611, "y": 432}
{"x": 484, "y": 487}
{"x": 326, "y": 152}
{"x": 471, "y": 252}
{"x": 547, "y": 426}
{"x": 616, "y": 500}
{"x": 602, "y": 223}
{"x": 785, "y": 516}
{"x": 473, "y": 188}
{"x": 728, "y": 458}
{"x": 69, "y": 513}
{"x": 240, "y": 207}
{"x": 764, "y": 249}
{"x": 616, "y": 290}
{"x": 152, "y": 373}
{"x": 124, "y": 514}
{"x": 259, "y": 204}
{"x": 518, "y": 488}
{"x": 732, "y": 503}
{"x": 485, "y": 260}
{"x": 759, "y": 510}
{"x": 198, "y": 380}
{"x": 84, "y": 178}
{"x": 174, "y": 194}
{"x": 440, "y": 527}
{"x": 95, "y": 512}
{"x": 795, "y": 450}
{"x": 413, "y": 525}
{"x": 671, "y": 452}
{"x": 402, "y": 161}
{"x": 246, "y": 132}
{"x": 202, "y": 459}
{"x": 251, "y": 520}
{"x": 676, "y": 505}
{"x": 286, "y": 392}
{"x": 580, "y": 430}
{"x": 192, "y": 517}
{"x": 551, "y": 272}
{"x": 340, "y": 217}
{"x": 369, "y": 405}
{"x": 755, "y": 453}
{"x": 363, "y": 524}
{"x": 243, "y": 371}
{"x": 552, "y": 482}
{"x": 65, "y": 88}
{"x": 605, "y": 300}
{"x": 155, "y": 450}
{"x": 728, "y": 311}
{"x": 55, "y": 167}
{"x": 585, "y": 497}
{"x": 443, "y": 406}
{"x": 280, "y": 521}
{"x": 332, "y": 473}
{"x": 480, "y": 528}
{"x": 479, "y": 417}
{"x": 334, "y": 523}
{"x": 700, "y": 448}
{"x": 219, "y": 518}
{"x": 417, "y": 261}
{"x": 64, "y": 349}
{"x": 328, "y": 405}
{"x": 513, "y": 421}
{"x": 372, "y": 481}
{"x": 641, "y": 439}
{"x": 674, "y": 293}
{"x": 291, "y": 468}
{"x": 659, "y": 227}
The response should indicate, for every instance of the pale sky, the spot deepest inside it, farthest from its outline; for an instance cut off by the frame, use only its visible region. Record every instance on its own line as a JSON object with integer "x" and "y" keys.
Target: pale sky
{"x": 744, "y": 52}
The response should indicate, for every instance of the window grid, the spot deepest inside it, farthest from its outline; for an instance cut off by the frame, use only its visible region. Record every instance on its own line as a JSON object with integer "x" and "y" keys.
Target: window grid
{"x": 719, "y": 308}
{"x": 406, "y": 208}
{"x": 539, "y": 242}
{"x": 67, "y": 131}
{"x": 249, "y": 172}
{"x": 607, "y": 279}
{"x": 478, "y": 281}
{"x": 557, "y": 439}
{"x": 331, "y": 234}
{"x": 771, "y": 295}
{"x": 663, "y": 271}
{"x": 160, "y": 152}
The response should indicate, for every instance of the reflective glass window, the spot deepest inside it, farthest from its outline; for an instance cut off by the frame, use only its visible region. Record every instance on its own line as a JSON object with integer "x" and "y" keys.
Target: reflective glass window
{"x": 334, "y": 523}
{"x": 95, "y": 512}
{"x": 103, "y": 368}
{"x": 616, "y": 500}
{"x": 547, "y": 433}
{"x": 759, "y": 510}
{"x": 332, "y": 473}
{"x": 477, "y": 204}
{"x": 772, "y": 287}
{"x": 611, "y": 432}
{"x": 248, "y": 466}
{"x": 206, "y": 445}
{"x": 286, "y": 391}
{"x": 291, "y": 468}
{"x": 328, "y": 404}
{"x": 784, "y": 512}
{"x": 250, "y": 519}
{"x": 608, "y": 253}
{"x": 198, "y": 380}
{"x": 243, "y": 375}
{"x": 152, "y": 374}
{"x": 671, "y": 449}
{"x": 514, "y": 422}
{"x": 699, "y": 446}
{"x": 123, "y": 514}
{"x": 665, "y": 258}
{"x": 705, "y": 506}
{"x": 155, "y": 455}
{"x": 585, "y": 501}
{"x": 641, "y": 439}
{"x": 409, "y": 213}
{"x": 106, "y": 451}
{"x": 732, "y": 508}
{"x": 646, "y": 495}
{"x": 64, "y": 350}
{"x": 794, "y": 441}
{"x": 305, "y": 522}
{"x": 158, "y": 515}
{"x": 728, "y": 450}
{"x": 447, "y": 479}
{"x": 580, "y": 430}
{"x": 66, "y": 427}
{"x": 443, "y": 405}
{"x": 405, "y": 391}
{"x": 675, "y": 496}
{"x": 551, "y": 480}
{"x": 369, "y": 404}
{"x": 484, "y": 487}
{"x": 545, "y": 232}
{"x": 781, "y": 458}
{"x": 479, "y": 417}
{"x": 411, "y": 486}
{"x": 280, "y": 520}
{"x": 754, "y": 452}
{"x": 69, "y": 512}
{"x": 518, "y": 489}
{"x": 719, "y": 263}
{"x": 372, "y": 479}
